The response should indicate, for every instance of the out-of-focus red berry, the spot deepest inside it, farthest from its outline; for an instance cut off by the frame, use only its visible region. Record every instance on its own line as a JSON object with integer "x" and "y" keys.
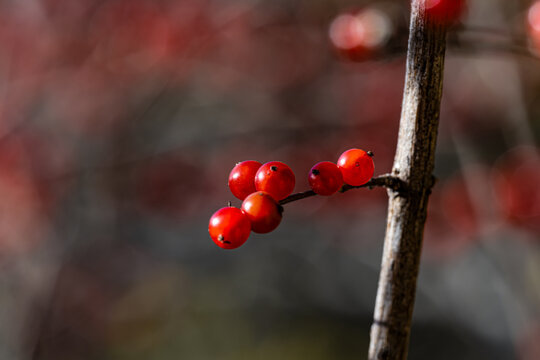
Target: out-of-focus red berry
{"x": 442, "y": 238}
{"x": 275, "y": 178}
{"x": 533, "y": 16}
{"x": 27, "y": 197}
{"x": 457, "y": 204}
{"x": 229, "y": 227}
{"x": 242, "y": 178}
{"x": 263, "y": 212}
{"x": 325, "y": 178}
{"x": 167, "y": 186}
{"x": 358, "y": 35}
{"x": 445, "y": 11}
{"x": 356, "y": 166}
{"x": 533, "y": 20}
{"x": 516, "y": 179}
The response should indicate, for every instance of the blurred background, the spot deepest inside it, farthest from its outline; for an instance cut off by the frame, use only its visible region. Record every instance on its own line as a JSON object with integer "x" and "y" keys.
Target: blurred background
{"x": 120, "y": 121}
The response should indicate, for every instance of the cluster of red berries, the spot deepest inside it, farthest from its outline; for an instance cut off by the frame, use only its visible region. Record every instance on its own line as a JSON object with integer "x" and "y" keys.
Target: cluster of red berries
{"x": 262, "y": 187}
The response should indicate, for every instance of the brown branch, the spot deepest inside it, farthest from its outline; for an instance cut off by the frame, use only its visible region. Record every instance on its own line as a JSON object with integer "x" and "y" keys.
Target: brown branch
{"x": 413, "y": 164}
{"x": 389, "y": 181}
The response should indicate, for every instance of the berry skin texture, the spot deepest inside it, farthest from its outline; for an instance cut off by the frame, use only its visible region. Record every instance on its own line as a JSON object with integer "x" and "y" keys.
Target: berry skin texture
{"x": 356, "y": 166}
{"x": 242, "y": 178}
{"x": 275, "y": 178}
{"x": 229, "y": 227}
{"x": 446, "y": 12}
{"x": 263, "y": 212}
{"x": 325, "y": 178}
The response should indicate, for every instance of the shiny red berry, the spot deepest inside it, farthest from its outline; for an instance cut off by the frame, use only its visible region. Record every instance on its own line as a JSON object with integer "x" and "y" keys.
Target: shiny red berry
{"x": 275, "y": 178}
{"x": 356, "y": 166}
{"x": 242, "y": 178}
{"x": 263, "y": 212}
{"x": 325, "y": 178}
{"x": 229, "y": 227}
{"x": 445, "y": 11}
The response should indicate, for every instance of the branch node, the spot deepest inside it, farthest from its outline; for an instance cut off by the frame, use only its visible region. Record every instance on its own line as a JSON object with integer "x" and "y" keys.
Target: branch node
{"x": 433, "y": 181}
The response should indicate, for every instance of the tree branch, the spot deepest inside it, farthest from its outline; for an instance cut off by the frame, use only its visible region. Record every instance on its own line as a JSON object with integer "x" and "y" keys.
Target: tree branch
{"x": 413, "y": 165}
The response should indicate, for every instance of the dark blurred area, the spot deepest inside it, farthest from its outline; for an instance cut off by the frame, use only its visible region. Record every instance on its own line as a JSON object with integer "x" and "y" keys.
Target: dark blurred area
{"x": 120, "y": 121}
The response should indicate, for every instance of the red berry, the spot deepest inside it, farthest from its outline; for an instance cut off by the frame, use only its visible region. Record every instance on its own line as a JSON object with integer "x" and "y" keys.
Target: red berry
{"x": 356, "y": 166}
{"x": 229, "y": 227}
{"x": 275, "y": 178}
{"x": 445, "y": 11}
{"x": 325, "y": 178}
{"x": 263, "y": 212}
{"x": 242, "y": 178}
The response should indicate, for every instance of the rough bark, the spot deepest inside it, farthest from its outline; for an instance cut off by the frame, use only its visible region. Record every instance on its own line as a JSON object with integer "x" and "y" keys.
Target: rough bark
{"x": 413, "y": 164}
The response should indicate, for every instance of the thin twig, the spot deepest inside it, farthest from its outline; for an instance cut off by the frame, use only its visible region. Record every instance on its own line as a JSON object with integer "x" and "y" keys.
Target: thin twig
{"x": 387, "y": 180}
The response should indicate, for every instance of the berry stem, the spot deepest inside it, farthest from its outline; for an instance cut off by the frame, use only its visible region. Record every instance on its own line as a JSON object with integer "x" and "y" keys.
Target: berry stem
{"x": 387, "y": 180}
{"x": 297, "y": 196}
